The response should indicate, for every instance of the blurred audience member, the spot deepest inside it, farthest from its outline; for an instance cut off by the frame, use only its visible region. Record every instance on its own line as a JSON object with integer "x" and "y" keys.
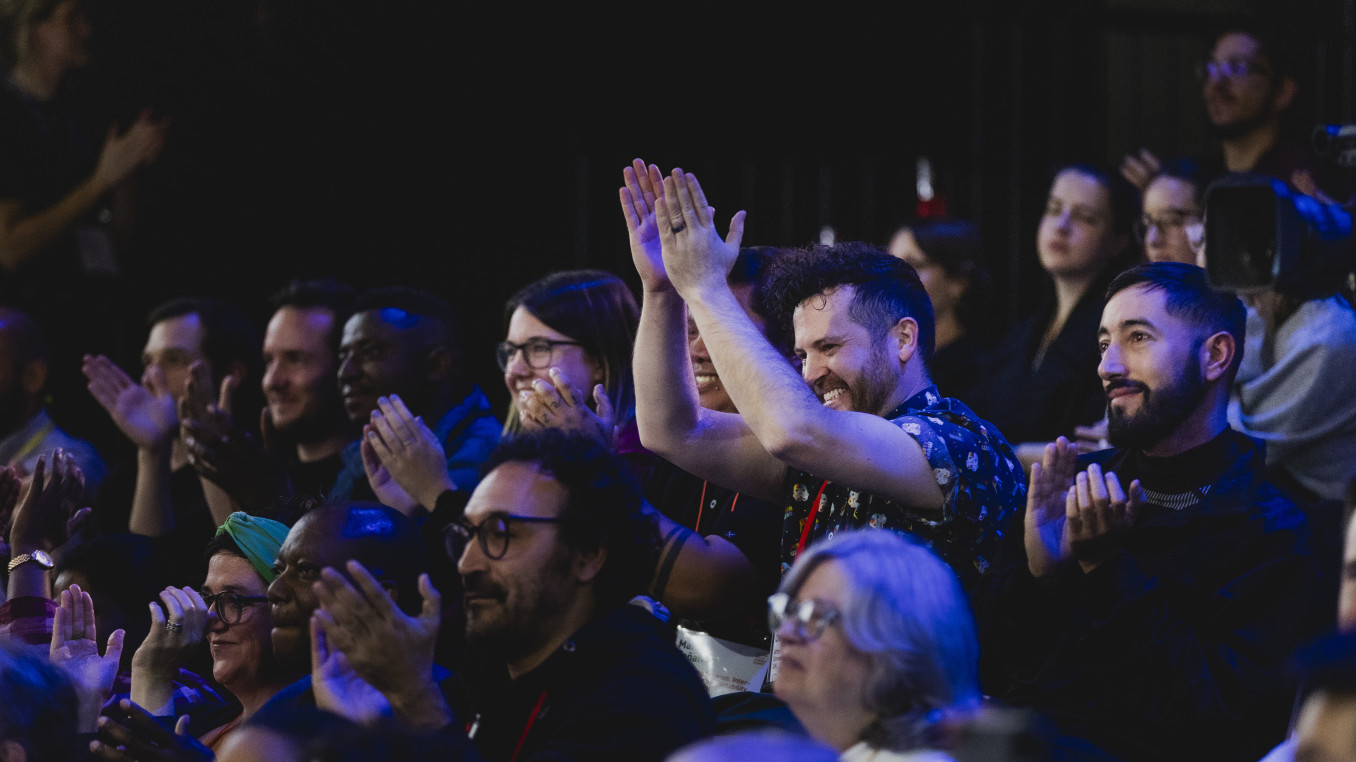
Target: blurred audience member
{"x": 948, "y": 256}
{"x": 26, "y": 431}
{"x": 1174, "y": 211}
{"x": 1044, "y": 382}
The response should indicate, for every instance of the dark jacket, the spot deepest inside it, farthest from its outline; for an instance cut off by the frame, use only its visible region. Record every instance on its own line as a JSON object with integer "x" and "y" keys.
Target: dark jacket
{"x": 1177, "y": 647}
{"x": 619, "y": 689}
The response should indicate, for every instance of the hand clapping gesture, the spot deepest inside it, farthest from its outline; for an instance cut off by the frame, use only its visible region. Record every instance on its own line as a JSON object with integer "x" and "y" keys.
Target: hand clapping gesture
{"x": 1072, "y": 515}
{"x": 144, "y": 412}
{"x": 404, "y": 461}
{"x": 642, "y": 187}
{"x": 561, "y": 405}
{"x": 695, "y": 256}
{"x": 75, "y": 649}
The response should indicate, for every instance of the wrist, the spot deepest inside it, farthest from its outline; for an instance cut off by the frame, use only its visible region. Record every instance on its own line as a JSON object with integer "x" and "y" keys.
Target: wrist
{"x": 429, "y": 496}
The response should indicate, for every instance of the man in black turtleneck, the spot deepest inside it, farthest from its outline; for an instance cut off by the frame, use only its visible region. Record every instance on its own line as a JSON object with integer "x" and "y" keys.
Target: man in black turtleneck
{"x": 1159, "y": 587}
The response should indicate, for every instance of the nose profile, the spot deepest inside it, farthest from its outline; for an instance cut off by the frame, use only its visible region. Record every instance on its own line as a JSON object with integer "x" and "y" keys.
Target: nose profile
{"x": 1110, "y": 366}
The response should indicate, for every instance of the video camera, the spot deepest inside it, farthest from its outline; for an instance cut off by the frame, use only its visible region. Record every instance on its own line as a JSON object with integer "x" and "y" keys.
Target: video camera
{"x": 1262, "y": 234}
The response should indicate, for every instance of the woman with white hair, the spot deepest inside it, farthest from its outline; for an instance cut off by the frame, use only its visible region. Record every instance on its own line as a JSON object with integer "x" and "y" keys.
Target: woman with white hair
{"x": 878, "y": 648}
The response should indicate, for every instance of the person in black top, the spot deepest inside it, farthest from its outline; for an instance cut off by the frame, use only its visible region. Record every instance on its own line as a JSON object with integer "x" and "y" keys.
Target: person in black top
{"x": 1158, "y": 588}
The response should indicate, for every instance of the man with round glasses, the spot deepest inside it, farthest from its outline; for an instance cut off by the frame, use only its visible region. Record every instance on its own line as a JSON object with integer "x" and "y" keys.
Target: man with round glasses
{"x": 552, "y": 546}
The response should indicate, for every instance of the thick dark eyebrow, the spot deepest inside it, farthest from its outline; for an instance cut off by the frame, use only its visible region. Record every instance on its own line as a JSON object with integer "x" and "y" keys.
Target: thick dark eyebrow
{"x": 834, "y": 339}
{"x": 1131, "y": 323}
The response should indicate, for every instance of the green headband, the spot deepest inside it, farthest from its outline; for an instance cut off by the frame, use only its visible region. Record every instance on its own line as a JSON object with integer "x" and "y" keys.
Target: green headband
{"x": 259, "y": 539}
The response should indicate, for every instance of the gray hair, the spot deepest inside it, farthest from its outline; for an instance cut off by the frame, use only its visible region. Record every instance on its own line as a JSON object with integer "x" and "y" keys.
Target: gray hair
{"x": 907, "y": 613}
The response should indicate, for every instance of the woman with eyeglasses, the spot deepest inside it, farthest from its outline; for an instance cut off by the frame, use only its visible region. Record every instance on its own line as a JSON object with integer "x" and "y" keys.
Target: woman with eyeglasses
{"x": 1174, "y": 205}
{"x": 878, "y": 652}
{"x": 569, "y": 341}
{"x": 232, "y": 615}
{"x": 1044, "y": 382}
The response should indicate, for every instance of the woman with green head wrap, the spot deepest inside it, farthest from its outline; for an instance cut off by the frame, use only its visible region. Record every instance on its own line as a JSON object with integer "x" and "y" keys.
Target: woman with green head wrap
{"x": 231, "y": 613}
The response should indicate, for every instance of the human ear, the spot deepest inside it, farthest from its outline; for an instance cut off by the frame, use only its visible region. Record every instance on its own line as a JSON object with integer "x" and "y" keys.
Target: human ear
{"x": 1217, "y": 354}
{"x": 906, "y": 333}
{"x": 587, "y": 564}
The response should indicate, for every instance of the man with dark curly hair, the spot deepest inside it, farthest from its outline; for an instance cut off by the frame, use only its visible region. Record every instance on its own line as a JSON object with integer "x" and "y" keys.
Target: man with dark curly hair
{"x": 863, "y": 439}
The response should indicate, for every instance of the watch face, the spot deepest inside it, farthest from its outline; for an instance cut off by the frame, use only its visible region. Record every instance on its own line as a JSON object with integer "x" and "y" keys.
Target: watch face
{"x": 44, "y": 560}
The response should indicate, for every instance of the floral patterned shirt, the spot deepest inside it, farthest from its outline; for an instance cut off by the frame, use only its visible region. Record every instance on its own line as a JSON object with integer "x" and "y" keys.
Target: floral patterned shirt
{"x": 975, "y": 467}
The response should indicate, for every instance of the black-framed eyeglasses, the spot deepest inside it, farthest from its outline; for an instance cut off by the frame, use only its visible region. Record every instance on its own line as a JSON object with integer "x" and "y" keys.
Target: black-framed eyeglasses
{"x": 1234, "y": 68}
{"x": 492, "y": 533}
{"x": 230, "y": 606}
{"x": 808, "y": 619}
{"x": 536, "y": 352}
{"x": 1172, "y": 218}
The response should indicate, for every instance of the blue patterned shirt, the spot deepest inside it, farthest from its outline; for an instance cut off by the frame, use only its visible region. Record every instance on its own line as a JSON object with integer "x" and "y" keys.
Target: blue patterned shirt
{"x": 982, "y": 480}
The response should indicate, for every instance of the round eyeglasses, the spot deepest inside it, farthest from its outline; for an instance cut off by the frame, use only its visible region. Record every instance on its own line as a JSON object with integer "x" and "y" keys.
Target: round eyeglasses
{"x": 492, "y": 534}
{"x": 230, "y": 607}
{"x": 536, "y": 352}
{"x": 808, "y": 619}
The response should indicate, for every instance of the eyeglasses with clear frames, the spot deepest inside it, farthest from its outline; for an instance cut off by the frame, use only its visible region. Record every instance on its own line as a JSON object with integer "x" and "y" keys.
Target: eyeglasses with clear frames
{"x": 536, "y": 352}
{"x": 492, "y": 534}
{"x": 809, "y": 619}
{"x": 230, "y": 606}
{"x": 1168, "y": 220}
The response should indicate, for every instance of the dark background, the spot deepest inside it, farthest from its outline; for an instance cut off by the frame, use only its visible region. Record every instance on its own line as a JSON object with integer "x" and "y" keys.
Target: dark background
{"x": 472, "y": 150}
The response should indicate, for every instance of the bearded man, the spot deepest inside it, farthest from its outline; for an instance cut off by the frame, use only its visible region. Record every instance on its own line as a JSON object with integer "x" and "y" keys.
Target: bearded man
{"x": 1157, "y": 590}
{"x": 861, "y": 438}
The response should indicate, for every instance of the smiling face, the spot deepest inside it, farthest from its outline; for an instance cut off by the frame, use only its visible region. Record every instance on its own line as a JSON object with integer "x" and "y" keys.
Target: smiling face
{"x": 299, "y": 370}
{"x": 847, "y": 367}
{"x": 1076, "y": 239}
{"x": 573, "y": 361}
{"x": 516, "y": 603}
{"x": 821, "y": 679}
{"x": 710, "y": 391}
{"x": 242, "y": 653}
{"x": 1151, "y": 368}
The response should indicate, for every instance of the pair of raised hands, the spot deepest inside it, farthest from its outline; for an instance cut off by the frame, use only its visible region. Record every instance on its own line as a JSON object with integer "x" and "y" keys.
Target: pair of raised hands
{"x": 672, "y": 230}
{"x": 1073, "y": 515}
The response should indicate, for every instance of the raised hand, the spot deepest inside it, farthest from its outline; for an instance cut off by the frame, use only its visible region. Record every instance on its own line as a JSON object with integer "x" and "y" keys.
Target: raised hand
{"x": 176, "y": 632}
{"x": 408, "y": 450}
{"x": 561, "y": 405}
{"x": 695, "y": 256}
{"x": 337, "y": 687}
{"x": 145, "y": 412}
{"x": 220, "y": 451}
{"x": 1138, "y": 168}
{"x": 642, "y": 186}
{"x": 124, "y": 152}
{"x": 1047, "y": 544}
{"x": 48, "y": 509}
{"x": 384, "y": 486}
{"x": 75, "y": 649}
{"x": 10, "y": 486}
{"x": 1097, "y": 513}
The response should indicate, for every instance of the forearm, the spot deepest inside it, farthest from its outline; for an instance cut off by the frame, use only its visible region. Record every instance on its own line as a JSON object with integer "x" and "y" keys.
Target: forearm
{"x": 219, "y": 504}
{"x": 152, "y": 691}
{"x": 28, "y": 579}
{"x": 772, "y": 398}
{"x": 23, "y": 237}
{"x": 152, "y": 514}
{"x": 667, "y": 409}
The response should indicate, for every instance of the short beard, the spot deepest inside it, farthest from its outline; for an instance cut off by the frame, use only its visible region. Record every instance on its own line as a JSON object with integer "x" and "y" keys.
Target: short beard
{"x": 1160, "y": 413}
{"x": 872, "y": 389}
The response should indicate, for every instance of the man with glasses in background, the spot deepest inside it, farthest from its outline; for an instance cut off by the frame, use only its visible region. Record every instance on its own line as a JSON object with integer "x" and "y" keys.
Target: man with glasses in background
{"x": 1248, "y": 83}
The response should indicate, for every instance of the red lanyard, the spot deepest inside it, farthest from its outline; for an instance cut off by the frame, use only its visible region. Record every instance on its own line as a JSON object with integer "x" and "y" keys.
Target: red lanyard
{"x": 701, "y": 505}
{"x": 811, "y": 519}
{"x": 530, "y": 719}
